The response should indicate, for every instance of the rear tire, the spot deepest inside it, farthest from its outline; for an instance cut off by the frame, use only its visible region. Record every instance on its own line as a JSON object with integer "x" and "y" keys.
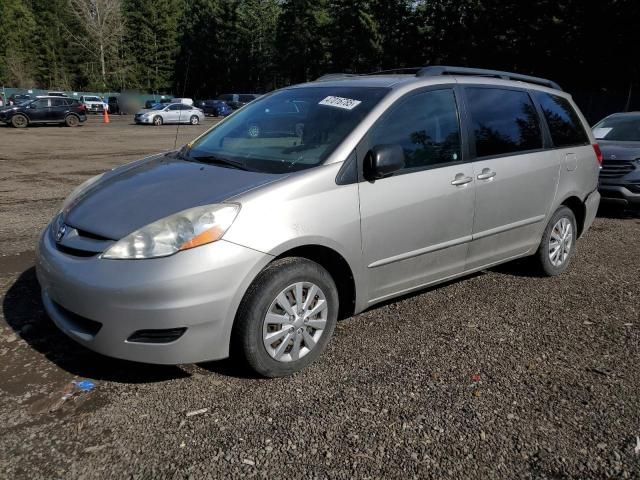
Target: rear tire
{"x": 305, "y": 287}
{"x": 194, "y": 120}
{"x": 558, "y": 243}
{"x": 157, "y": 120}
{"x": 19, "y": 121}
{"x": 71, "y": 121}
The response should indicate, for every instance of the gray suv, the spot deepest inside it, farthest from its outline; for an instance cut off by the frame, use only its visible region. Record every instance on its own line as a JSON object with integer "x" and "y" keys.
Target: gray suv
{"x": 253, "y": 246}
{"x": 619, "y": 137}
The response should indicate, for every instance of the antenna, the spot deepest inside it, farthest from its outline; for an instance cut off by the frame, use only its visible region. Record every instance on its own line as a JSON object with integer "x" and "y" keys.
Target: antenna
{"x": 184, "y": 90}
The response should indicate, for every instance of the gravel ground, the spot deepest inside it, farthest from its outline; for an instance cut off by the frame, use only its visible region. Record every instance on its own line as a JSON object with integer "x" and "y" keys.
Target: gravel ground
{"x": 500, "y": 375}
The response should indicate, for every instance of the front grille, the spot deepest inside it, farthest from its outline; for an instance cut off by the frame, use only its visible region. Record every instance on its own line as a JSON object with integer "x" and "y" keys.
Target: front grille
{"x": 81, "y": 243}
{"x": 616, "y": 168}
{"x": 157, "y": 336}
{"x": 78, "y": 322}
{"x": 94, "y": 236}
{"x": 76, "y": 252}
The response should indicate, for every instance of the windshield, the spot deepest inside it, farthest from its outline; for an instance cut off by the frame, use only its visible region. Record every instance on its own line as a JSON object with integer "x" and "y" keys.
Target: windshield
{"x": 288, "y": 130}
{"x": 92, "y": 99}
{"x": 621, "y": 128}
{"x": 159, "y": 106}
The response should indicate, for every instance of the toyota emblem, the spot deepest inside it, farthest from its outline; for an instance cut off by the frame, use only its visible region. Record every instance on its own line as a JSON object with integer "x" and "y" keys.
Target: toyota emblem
{"x": 60, "y": 233}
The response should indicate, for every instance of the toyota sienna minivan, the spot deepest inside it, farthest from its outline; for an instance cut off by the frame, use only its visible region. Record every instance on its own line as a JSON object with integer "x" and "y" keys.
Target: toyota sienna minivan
{"x": 252, "y": 243}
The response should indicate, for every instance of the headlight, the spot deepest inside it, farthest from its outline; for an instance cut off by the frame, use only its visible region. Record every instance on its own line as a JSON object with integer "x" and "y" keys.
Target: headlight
{"x": 79, "y": 191}
{"x": 181, "y": 231}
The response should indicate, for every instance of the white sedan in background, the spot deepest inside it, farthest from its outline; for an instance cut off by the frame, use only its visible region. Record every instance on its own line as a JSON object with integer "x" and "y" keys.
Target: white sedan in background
{"x": 162, "y": 113}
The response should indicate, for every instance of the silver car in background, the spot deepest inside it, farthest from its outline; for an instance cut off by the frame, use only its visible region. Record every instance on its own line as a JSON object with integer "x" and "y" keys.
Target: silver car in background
{"x": 162, "y": 113}
{"x": 253, "y": 244}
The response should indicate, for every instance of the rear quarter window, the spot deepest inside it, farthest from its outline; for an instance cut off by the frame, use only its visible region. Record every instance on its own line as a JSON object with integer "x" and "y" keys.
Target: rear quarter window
{"x": 564, "y": 123}
{"x": 503, "y": 121}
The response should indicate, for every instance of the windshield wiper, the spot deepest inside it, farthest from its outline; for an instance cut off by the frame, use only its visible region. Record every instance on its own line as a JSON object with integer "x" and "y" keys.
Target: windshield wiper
{"x": 215, "y": 160}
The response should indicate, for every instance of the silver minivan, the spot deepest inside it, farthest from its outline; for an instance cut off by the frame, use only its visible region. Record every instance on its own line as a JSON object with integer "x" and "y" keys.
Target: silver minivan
{"x": 373, "y": 186}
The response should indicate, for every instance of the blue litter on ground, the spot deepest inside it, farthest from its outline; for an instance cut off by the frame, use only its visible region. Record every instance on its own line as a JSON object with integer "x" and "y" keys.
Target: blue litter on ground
{"x": 85, "y": 385}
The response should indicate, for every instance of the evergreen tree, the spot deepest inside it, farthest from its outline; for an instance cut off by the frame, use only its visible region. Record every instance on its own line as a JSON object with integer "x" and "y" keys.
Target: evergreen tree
{"x": 151, "y": 42}
{"x": 301, "y": 40}
{"x": 17, "y": 26}
{"x": 58, "y": 61}
{"x": 257, "y": 22}
{"x": 355, "y": 41}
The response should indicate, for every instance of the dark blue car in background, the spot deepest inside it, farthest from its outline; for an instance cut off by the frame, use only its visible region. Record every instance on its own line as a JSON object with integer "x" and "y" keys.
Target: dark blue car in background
{"x": 216, "y": 108}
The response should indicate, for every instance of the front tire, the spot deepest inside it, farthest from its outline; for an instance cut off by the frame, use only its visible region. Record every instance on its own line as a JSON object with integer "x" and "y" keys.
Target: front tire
{"x": 286, "y": 318}
{"x": 558, "y": 243}
{"x": 19, "y": 121}
{"x": 157, "y": 120}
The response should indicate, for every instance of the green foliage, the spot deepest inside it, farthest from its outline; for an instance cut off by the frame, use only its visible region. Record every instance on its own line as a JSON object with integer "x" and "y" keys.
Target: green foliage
{"x": 301, "y": 39}
{"x": 202, "y": 48}
{"x": 151, "y": 42}
{"x": 17, "y": 25}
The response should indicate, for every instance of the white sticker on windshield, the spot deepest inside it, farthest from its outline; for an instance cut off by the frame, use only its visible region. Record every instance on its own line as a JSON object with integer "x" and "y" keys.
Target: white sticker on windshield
{"x": 601, "y": 132}
{"x": 340, "y": 102}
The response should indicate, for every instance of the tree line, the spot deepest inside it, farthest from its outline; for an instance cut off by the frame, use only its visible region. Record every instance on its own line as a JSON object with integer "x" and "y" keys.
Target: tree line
{"x": 203, "y": 47}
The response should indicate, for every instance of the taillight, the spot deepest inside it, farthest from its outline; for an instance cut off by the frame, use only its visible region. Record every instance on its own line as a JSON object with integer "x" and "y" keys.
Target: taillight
{"x": 596, "y": 148}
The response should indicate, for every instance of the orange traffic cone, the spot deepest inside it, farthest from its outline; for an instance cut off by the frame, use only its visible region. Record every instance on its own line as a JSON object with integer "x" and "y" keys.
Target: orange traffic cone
{"x": 105, "y": 115}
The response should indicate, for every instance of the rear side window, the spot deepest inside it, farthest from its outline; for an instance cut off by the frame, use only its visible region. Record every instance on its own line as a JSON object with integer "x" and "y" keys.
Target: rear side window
{"x": 58, "y": 102}
{"x": 564, "y": 124}
{"x": 426, "y": 126}
{"x": 503, "y": 121}
{"x": 42, "y": 103}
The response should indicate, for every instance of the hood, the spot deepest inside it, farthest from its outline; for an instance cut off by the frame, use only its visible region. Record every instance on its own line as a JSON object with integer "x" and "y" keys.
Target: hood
{"x": 619, "y": 150}
{"x": 135, "y": 195}
{"x": 146, "y": 110}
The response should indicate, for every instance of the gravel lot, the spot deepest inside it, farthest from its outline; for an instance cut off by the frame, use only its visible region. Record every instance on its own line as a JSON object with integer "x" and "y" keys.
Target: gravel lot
{"x": 500, "y": 375}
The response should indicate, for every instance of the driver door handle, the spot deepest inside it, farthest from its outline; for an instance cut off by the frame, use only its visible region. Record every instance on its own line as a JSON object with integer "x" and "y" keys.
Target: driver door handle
{"x": 461, "y": 180}
{"x": 486, "y": 174}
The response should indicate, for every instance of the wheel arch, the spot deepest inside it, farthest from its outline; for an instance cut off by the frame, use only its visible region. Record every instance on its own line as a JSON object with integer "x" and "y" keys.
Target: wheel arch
{"x": 579, "y": 210}
{"x": 21, "y": 114}
{"x": 338, "y": 268}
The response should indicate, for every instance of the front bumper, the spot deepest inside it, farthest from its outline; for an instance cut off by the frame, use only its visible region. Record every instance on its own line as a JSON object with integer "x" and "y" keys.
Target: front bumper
{"x": 622, "y": 193}
{"x": 198, "y": 289}
{"x": 143, "y": 120}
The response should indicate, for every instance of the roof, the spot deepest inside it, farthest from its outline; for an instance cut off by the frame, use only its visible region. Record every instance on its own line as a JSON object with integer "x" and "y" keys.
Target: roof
{"x": 402, "y": 76}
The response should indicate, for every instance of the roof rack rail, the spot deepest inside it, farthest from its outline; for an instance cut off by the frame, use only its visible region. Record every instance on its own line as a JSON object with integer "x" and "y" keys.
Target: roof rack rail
{"x": 435, "y": 71}
{"x": 397, "y": 71}
{"x": 336, "y": 76}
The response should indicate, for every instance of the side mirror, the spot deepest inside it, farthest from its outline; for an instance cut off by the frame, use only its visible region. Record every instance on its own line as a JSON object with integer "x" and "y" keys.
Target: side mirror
{"x": 382, "y": 161}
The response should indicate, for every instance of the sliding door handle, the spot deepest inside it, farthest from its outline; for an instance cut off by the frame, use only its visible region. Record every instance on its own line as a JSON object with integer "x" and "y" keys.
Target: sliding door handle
{"x": 461, "y": 180}
{"x": 486, "y": 174}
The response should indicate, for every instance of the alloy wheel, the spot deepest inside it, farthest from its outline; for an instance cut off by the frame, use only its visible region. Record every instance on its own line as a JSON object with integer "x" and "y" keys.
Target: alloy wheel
{"x": 560, "y": 242}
